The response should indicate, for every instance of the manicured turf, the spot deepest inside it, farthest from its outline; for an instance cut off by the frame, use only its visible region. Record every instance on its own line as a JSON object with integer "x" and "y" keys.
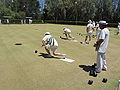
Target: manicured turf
{"x": 22, "y": 69}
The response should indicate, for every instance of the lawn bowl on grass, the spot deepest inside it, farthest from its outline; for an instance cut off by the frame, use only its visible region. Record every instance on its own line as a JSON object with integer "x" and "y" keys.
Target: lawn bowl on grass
{"x": 36, "y": 51}
{"x": 90, "y": 82}
{"x": 104, "y": 80}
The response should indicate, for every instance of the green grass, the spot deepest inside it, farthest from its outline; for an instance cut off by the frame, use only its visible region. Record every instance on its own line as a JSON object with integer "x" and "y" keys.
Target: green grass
{"x": 22, "y": 69}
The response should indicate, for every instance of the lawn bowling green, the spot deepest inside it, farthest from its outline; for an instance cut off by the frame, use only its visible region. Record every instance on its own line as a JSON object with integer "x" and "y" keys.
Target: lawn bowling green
{"x": 23, "y": 69}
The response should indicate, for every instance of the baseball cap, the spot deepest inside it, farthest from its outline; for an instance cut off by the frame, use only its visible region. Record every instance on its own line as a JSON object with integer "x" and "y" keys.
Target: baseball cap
{"x": 47, "y": 33}
{"x": 103, "y": 22}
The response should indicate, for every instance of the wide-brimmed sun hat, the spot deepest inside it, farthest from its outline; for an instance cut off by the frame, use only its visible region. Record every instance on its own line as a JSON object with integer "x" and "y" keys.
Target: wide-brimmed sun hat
{"x": 103, "y": 22}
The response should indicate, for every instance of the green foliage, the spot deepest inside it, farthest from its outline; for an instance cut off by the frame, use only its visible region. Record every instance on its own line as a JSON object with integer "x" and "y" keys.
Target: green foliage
{"x": 20, "y": 8}
{"x": 82, "y": 10}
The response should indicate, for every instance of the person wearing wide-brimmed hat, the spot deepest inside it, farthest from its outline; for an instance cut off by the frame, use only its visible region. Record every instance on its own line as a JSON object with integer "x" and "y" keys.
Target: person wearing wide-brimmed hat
{"x": 50, "y": 43}
{"x": 101, "y": 46}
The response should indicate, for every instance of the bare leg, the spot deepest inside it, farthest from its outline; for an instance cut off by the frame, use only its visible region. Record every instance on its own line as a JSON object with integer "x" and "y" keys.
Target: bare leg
{"x": 66, "y": 35}
{"x": 47, "y": 51}
{"x": 117, "y": 33}
{"x": 89, "y": 38}
{"x": 54, "y": 49}
{"x": 71, "y": 37}
{"x": 86, "y": 38}
{"x": 58, "y": 54}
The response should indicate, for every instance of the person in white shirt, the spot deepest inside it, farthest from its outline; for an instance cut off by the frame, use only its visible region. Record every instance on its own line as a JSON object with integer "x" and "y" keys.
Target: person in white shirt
{"x": 67, "y": 33}
{"x": 30, "y": 21}
{"x": 101, "y": 46}
{"x": 7, "y": 21}
{"x": 97, "y": 29}
{"x": 89, "y": 30}
{"x": 118, "y": 29}
{"x": 0, "y": 21}
{"x": 93, "y": 24}
{"x": 50, "y": 43}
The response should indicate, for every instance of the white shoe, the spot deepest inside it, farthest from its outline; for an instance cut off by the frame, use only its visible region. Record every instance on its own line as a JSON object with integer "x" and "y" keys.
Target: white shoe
{"x": 97, "y": 71}
{"x": 104, "y": 68}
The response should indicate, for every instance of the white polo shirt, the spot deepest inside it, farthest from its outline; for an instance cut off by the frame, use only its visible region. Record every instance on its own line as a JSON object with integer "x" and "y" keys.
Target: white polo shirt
{"x": 104, "y": 34}
{"x": 50, "y": 40}
{"x": 67, "y": 30}
{"x": 118, "y": 28}
{"x": 90, "y": 27}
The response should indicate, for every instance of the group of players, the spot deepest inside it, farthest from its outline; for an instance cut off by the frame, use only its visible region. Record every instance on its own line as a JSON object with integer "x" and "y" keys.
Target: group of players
{"x": 102, "y": 35}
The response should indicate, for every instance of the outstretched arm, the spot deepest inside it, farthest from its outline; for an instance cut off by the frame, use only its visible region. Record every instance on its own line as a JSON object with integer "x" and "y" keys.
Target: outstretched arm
{"x": 43, "y": 43}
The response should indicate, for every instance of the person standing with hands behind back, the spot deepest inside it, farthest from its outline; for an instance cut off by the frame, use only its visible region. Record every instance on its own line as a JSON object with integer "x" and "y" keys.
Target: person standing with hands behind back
{"x": 101, "y": 46}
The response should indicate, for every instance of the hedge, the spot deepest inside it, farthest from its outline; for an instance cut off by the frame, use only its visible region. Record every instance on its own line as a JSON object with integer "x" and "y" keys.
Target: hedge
{"x": 36, "y": 21}
{"x": 76, "y": 22}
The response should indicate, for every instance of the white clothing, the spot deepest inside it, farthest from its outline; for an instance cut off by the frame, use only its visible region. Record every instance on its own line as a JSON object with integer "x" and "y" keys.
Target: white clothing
{"x": 0, "y": 21}
{"x": 93, "y": 24}
{"x": 118, "y": 28}
{"x": 30, "y": 21}
{"x": 53, "y": 48}
{"x": 7, "y": 21}
{"x": 89, "y": 33}
{"x": 104, "y": 34}
{"x": 67, "y": 30}
{"x": 90, "y": 27}
{"x": 101, "y": 62}
{"x": 97, "y": 30}
{"x": 50, "y": 40}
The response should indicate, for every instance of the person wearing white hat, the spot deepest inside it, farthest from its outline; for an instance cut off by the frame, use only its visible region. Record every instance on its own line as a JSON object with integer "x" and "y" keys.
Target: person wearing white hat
{"x": 50, "y": 43}
{"x": 67, "y": 33}
{"x": 89, "y": 30}
{"x": 101, "y": 46}
{"x": 118, "y": 29}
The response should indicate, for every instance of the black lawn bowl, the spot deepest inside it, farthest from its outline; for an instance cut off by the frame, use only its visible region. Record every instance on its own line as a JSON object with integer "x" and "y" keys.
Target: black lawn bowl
{"x": 81, "y": 42}
{"x": 90, "y": 82}
{"x": 60, "y": 37}
{"x": 93, "y": 66}
{"x": 36, "y": 51}
{"x": 18, "y": 43}
{"x": 104, "y": 80}
{"x": 91, "y": 72}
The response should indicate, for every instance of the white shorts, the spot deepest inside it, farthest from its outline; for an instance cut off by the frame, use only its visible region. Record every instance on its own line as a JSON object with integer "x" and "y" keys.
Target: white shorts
{"x": 52, "y": 48}
{"x": 69, "y": 33}
{"x": 89, "y": 33}
{"x": 118, "y": 30}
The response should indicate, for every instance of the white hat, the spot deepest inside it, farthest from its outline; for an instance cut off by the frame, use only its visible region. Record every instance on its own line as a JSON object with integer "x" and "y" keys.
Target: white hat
{"x": 90, "y": 21}
{"x": 103, "y": 23}
{"x": 47, "y": 33}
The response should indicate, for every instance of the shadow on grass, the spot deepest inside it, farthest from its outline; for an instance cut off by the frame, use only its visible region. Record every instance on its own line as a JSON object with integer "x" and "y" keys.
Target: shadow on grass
{"x": 86, "y": 68}
{"x": 47, "y": 56}
{"x": 90, "y": 69}
{"x": 64, "y": 38}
